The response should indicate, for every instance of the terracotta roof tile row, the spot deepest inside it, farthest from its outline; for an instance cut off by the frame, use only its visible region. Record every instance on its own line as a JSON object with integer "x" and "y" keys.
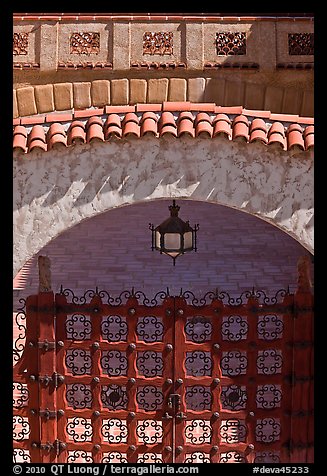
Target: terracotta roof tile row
{"x": 118, "y": 122}
{"x": 84, "y": 65}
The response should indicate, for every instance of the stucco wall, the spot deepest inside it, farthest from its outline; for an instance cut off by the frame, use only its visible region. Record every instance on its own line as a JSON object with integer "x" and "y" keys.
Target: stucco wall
{"x": 57, "y": 189}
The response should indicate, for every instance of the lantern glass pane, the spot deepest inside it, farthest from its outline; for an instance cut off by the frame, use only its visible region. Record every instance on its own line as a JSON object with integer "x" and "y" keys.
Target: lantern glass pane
{"x": 172, "y": 241}
{"x": 157, "y": 243}
{"x": 172, "y": 254}
{"x": 188, "y": 241}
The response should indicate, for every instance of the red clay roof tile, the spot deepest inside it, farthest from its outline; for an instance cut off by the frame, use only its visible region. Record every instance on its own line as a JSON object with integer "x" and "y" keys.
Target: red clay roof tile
{"x": 193, "y": 119}
{"x": 76, "y": 133}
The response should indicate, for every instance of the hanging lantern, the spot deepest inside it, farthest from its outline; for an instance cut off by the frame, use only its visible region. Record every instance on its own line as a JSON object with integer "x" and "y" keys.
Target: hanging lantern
{"x": 174, "y": 237}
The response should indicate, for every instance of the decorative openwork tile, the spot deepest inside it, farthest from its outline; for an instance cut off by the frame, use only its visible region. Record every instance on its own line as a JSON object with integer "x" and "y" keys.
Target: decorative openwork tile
{"x": 198, "y": 329}
{"x": 78, "y": 327}
{"x": 198, "y": 432}
{"x": 234, "y": 328}
{"x": 115, "y": 430}
{"x": 149, "y": 398}
{"x": 85, "y": 43}
{"x": 114, "y": 328}
{"x": 232, "y": 431}
{"x": 149, "y": 432}
{"x": 197, "y": 457}
{"x": 149, "y": 458}
{"x": 231, "y": 457}
{"x": 79, "y": 429}
{"x": 79, "y": 456}
{"x": 268, "y": 430}
{"x": 198, "y": 398}
{"x": 150, "y": 329}
{"x": 300, "y": 44}
{"x": 20, "y": 395}
{"x": 21, "y": 456}
{"x": 114, "y": 397}
{"x": 79, "y": 396}
{"x": 21, "y": 428}
{"x": 233, "y": 397}
{"x": 230, "y": 44}
{"x": 270, "y": 327}
{"x": 114, "y": 457}
{"x": 267, "y": 457}
{"x": 234, "y": 363}
{"x": 269, "y": 396}
{"x": 20, "y": 44}
{"x": 158, "y": 43}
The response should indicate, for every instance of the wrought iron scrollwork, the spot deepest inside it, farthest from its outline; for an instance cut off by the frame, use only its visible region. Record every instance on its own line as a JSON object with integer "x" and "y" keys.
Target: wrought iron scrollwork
{"x": 74, "y": 429}
{"x": 197, "y": 457}
{"x": 198, "y": 432}
{"x": 79, "y": 456}
{"x": 19, "y": 341}
{"x": 150, "y": 363}
{"x": 149, "y": 458}
{"x": 20, "y": 395}
{"x": 232, "y": 457}
{"x": 234, "y": 328}
{"x": 198, "y": 363}
{"x": 114, "y": 397}
{"x": 232, "y": 431}
{"x": 270, "y": 327}
{"x": 115, "y": 430}
{"x": 21, "y": 428}
{"x": 198, "y": 398}
{"x": 78, "y": 327}
{"x": 269, "y": 361}
{"x": 149, "y": 398}
{"x": 114, "y": 457}
{"x": 114, "y": 328}
{"x": 79, "y": 396}
{"x": 267, "y": 457}
{"x": 268, "y": 430}
{"x": 233, "y": 363}
{"x": 79, "y": 361}
{"x": 149, "y": 432}
{"x": 198, "y": 329}
{"x": 21, "y": 456}
{"x": 150, "y": 329}
{"x": 233, "y": 397}
{"x": 268, "y": 396}
{"x": 114, "y": 362}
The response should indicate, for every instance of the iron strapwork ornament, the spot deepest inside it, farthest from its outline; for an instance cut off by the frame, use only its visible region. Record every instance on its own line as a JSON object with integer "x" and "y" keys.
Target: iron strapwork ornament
{"x": 174, "y": 237}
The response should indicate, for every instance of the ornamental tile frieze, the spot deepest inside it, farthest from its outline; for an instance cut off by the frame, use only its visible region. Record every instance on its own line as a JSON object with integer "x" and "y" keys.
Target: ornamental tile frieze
{"x": 300, "y": 44}
{"x": 231, "y": 43}
{"x": 20, "y": 44}
{"x": 85, "y": 43}
{"x": 158, "y": 43}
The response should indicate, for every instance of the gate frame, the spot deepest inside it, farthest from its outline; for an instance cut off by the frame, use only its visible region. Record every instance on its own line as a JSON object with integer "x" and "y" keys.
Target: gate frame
{"x": 40, "y": 358}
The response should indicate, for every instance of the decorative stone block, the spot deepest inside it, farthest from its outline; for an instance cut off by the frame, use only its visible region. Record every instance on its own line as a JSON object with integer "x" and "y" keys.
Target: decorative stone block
{"x": 85, "y": 43}
{"x": 26, "y": 101}
{"x": 196, "y": 88}
{"x": 231, "y": 43}
{"x": 100, "y": 92}
{"x": 307, "y": 109}
{"x": 300, "y": 44}
{"x": 177, "y": 89}
{"x": 63, "y": 96}
{"x": 215, "y": 90}
{"x": 82, "y": 95}
{"x": 119, "y": 91}
{"x": 44, "y": 98}
{"x": 157, "y": 90}
{"x": 234, "y": 93}
{"x": 254, "y": 96}
{"x": 273, "y": 98}
{"x": 137, "y": 91}
{"x": 20, "y": 44}
{"x": 158, "y": 43}
{"x": 14, "y": 104}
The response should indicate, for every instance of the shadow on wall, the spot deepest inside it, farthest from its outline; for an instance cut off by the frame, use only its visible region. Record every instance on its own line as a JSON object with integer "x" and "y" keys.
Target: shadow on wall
{"x": 236, "y": 251}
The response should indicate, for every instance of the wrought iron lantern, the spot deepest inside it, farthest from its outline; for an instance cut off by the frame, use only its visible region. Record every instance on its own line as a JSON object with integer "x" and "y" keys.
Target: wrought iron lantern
{"x": 174, "y": 237}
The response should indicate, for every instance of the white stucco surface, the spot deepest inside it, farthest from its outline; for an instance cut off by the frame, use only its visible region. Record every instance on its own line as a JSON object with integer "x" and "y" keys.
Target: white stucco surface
{"x": 55, "y": 190}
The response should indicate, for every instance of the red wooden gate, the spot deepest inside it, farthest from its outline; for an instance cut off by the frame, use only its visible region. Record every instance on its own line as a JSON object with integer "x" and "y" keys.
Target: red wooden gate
{"x": 169, "y": 379}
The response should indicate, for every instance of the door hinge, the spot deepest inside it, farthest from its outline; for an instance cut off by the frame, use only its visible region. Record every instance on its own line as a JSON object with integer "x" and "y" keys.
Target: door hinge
{"x": 46, "y": 345}
{"x": 56, "y": 379}
{"x": 56, "y": 446}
